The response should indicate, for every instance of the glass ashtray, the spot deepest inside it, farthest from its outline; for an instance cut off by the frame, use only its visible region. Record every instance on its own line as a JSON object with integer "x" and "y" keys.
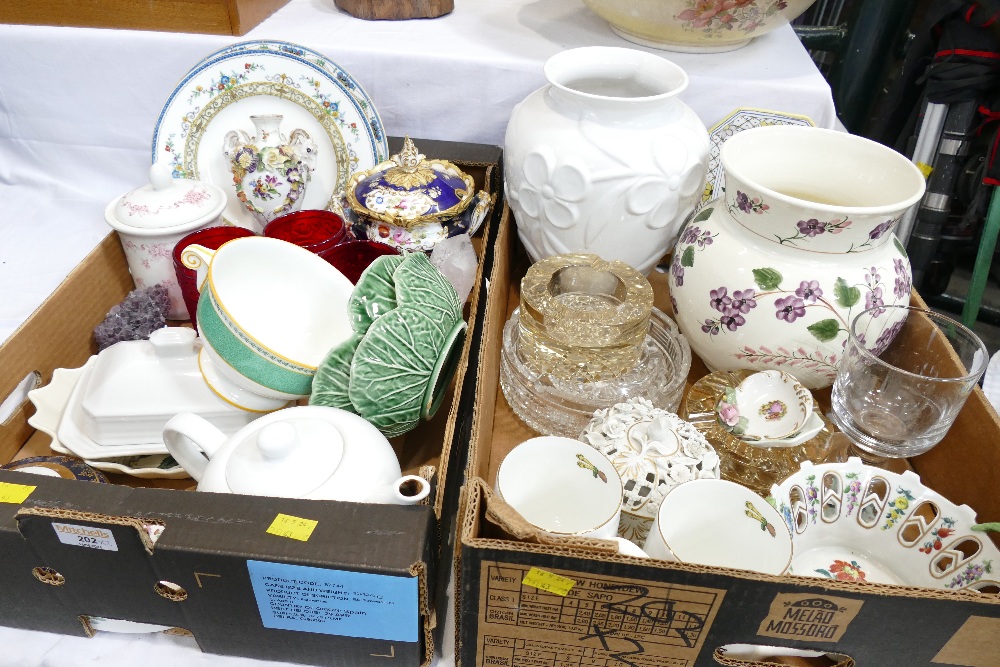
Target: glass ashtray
{"x": 552, "y": 405}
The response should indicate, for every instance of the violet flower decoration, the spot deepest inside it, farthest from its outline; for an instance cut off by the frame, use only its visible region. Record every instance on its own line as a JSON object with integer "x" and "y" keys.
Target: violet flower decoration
{"x": 732, "y": 320}
{"x": 811, "y": 227}
{"x": 743, "y": 202}
{"x": 790, "y": 308}
{"x": 809, "y": 290}
{"x": 719, "y": 299}
{"x": 880, "y": 230}
{"x": 743, "y": 300}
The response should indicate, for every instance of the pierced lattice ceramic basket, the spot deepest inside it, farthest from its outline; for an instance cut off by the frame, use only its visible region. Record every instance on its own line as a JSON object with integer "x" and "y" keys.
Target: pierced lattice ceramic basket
{"x": 854, "y": 522}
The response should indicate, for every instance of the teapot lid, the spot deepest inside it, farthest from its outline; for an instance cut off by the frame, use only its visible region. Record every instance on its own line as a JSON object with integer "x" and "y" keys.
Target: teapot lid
{"x": 166, "y": 203}
{"x": 288, "y": 458}
{"x": 409, "y": 189}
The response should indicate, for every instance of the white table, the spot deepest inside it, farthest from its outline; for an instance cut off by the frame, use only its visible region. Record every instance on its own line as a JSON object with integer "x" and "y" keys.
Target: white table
{"x": 78, "y": 108}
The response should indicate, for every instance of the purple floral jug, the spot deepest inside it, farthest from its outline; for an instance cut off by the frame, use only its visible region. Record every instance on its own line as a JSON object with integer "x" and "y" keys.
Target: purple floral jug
{"x": 770, "y": 275}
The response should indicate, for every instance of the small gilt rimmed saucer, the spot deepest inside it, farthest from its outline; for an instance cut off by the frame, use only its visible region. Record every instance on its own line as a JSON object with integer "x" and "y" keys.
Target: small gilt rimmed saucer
{"x": 750, "y": 464}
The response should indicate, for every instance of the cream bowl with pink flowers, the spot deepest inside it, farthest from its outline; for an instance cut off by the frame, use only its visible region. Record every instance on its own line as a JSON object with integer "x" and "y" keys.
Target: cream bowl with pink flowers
{"x": 854, "y": 522}
{"x": 701, "y": 26}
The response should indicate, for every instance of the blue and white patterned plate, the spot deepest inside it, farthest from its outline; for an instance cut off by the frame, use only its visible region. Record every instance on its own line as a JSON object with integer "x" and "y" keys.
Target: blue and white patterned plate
{"x": 737, "y": 121}
{"x": 222, "y": 91}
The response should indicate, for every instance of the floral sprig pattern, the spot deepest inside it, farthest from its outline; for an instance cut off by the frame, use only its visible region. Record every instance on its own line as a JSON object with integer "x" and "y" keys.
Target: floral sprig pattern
{"x": 716, "y": 16}
{"x": 853, "y": 490}
{"x": 812, "y": 227}
{"x": 332, "y": 106}
{"x": 812, "y": 498}
{"x": 800, "y": 357}
{"x": 790, "y": 304}
{"x": 946, "y": 528}
{"x": 973, "y": 572}
{"x": 734, "y": 306}
{"x": 896, "y": 510}
{"x": 224, "y": 82}
{"x": 750, "y": 205}
{"x": 696, "y": 240}
{"x": 842, "y": 570}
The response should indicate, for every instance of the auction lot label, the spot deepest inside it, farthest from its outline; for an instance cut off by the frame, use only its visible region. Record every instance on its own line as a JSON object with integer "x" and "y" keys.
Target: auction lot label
{"x": 89, "y": 537}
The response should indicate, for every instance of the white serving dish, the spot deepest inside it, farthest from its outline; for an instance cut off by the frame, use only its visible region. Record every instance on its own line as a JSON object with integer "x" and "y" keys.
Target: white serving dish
{"x": 135, "y": 387}
{"x": 51, "y": 402}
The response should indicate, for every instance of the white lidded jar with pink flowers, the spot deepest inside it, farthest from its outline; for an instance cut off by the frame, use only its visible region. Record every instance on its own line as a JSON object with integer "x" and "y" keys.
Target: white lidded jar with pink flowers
{"x": 771, "y": 275}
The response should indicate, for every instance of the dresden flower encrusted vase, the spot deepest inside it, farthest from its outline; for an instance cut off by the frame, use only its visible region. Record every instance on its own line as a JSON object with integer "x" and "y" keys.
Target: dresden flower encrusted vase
{"x": 270, "y": 171}
{"x": 771, "y": 275}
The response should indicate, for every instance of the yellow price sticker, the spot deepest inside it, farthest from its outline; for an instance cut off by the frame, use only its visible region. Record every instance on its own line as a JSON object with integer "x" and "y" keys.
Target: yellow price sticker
{"x": 293, "y": 527}
{"x": 548, "y": 581}
{"x": 14, "y": 494}
{"x": 925, "y": 169}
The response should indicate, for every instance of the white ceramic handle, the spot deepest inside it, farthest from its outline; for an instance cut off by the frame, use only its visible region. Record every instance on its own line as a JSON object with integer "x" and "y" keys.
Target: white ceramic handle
{"x": 192, "y": 441}
{"x": 410, "y": 483}
{"x": 198, "y": 258}
{"x": 173, "y": 342}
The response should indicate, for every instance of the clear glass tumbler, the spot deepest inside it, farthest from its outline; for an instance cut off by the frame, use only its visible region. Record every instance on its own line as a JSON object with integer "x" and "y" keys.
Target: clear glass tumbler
{"x": 905, "y": 375}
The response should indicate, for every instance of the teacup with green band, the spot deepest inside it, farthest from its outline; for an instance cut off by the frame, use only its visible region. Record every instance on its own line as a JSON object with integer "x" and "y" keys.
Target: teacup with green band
{"x": 269, "y": 312}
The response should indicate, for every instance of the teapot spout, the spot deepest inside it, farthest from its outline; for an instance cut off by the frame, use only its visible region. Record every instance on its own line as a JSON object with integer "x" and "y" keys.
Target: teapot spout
{"x": 409, "y": 490}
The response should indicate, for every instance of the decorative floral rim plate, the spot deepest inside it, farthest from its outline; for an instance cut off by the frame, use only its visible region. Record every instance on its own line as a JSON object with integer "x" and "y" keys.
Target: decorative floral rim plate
{"x": 52, "y": 408}
{"x": 66, "y": 467}
{"x": 750, "y": 464}
{"x": 738, "y": 120}
{"x": 855, "y": 522}
{"x": 260, "y": 77}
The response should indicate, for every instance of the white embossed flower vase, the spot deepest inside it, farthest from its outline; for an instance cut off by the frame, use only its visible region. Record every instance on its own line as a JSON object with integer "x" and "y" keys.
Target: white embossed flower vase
{"x": 771, "y": 275}
{"x": 605, "y": 159}
{"x": 270, "y": 171}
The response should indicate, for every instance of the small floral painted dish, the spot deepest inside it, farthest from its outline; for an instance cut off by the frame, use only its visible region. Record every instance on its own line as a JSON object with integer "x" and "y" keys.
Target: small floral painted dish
{"x": 765, "y": 406}
{"x": 759, "y": 464}
{"x": 855, "y": 522}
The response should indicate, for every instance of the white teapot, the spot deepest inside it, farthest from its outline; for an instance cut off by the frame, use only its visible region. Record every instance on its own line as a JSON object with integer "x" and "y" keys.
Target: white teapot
{"x": 313, "y": 452}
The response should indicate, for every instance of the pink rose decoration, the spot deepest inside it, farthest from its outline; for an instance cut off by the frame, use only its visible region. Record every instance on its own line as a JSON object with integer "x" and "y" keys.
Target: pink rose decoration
{"x": 729, "y": 414}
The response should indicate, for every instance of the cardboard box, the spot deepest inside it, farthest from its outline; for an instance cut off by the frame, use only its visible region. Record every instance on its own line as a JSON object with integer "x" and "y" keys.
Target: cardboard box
{"x": 644, "y": 613}
{"x": 211, "y": 17}
{"x": 317, "y": 582}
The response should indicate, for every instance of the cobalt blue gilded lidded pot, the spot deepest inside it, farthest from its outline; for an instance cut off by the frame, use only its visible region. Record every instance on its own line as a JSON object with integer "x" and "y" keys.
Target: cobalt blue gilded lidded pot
{"x": 411, "y": 202}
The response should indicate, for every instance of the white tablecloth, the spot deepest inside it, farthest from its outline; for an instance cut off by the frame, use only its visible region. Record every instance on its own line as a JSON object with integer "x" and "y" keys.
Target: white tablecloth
{"x": 78, "y": 108}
